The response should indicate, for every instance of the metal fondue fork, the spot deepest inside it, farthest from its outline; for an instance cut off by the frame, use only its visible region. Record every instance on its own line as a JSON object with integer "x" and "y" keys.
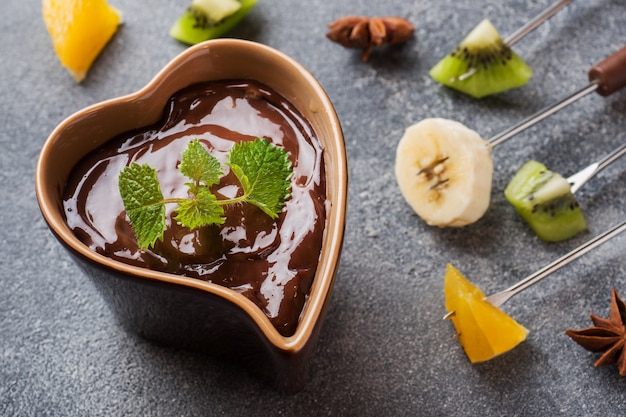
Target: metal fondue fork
{"x": 503, "y": 296}
{"x": 581, "y": 177}
{"x": 576, "y": 181}
{"x": 535, "y": 22}
{"x": 606, "y": 77}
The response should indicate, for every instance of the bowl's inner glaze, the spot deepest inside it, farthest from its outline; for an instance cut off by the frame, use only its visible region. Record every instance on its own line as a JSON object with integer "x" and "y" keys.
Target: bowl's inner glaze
{"x": 90, "y": 128}
{"x": 271, "y": 262}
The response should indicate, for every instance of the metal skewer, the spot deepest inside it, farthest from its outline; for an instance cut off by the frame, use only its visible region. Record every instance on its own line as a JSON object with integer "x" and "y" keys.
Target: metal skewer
{"x": 503, "y": 296}
{"x": 576, "y": 181}
{"x": 534, "y": 23}
{"x": 500, "y": 298}
{"x": 540, "y": 115}
{"x": 581, "y": 177}
{"x": 606, "y": 77}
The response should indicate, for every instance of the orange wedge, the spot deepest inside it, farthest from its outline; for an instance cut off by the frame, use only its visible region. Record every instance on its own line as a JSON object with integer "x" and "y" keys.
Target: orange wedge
{"x": 484, "y": 331}
{"x": 79, "y": 29}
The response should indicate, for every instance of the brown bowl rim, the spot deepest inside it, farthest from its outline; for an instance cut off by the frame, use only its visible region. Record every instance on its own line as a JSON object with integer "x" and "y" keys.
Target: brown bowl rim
{"x": 325, "y": 275}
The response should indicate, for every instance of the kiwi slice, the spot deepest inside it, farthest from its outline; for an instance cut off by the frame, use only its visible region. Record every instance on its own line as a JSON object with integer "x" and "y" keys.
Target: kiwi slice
{"x": 209, "y": 19}
{"x": 545, "y": 201}
{"x": 482, "y": 64}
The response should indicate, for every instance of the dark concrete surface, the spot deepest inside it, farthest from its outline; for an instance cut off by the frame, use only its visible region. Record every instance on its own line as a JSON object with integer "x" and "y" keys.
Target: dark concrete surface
{"x": 383, "y": 350}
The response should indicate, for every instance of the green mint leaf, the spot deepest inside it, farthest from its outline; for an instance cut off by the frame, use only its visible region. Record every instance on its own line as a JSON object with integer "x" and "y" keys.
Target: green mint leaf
{"x": 199, "y": 165}
{"x": 243, "y": 179}
{"x": 143, "y": 202}
{"x": 200, "y": 211}
{"x": 264, "y": 171}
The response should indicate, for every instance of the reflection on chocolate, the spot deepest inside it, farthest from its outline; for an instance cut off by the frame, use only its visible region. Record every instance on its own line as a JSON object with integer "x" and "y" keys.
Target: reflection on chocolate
{"x": 272, "y": 262}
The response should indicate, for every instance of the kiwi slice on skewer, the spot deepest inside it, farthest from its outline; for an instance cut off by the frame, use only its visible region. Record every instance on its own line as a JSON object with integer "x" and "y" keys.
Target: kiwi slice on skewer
{"x": 482, "y": 64}
{"x": 545, "y": 201}
{"x": 209, "y": 19}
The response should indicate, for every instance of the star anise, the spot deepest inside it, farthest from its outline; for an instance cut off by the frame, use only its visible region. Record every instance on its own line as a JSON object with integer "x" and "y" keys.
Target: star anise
{"x": 606, "y": 335}
{"x": 369, "y": 32}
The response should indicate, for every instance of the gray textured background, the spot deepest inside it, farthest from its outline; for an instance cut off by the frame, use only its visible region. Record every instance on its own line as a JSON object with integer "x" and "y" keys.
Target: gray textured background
{"x": 384, "y": 349}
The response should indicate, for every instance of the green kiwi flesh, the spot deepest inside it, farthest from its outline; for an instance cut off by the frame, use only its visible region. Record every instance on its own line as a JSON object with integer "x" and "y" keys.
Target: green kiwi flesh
{"x": 482, "y": 64}
{"x": 545, "y": 201}
{"x": 197, "y": 25}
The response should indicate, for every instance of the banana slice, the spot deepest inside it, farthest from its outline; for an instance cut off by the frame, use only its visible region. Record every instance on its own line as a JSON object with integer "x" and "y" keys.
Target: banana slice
{"x": 444, "y": 172}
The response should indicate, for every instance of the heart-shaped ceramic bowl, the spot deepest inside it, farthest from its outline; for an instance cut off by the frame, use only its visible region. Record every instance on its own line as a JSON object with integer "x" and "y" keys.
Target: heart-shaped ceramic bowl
{"x": 188, "y": 312}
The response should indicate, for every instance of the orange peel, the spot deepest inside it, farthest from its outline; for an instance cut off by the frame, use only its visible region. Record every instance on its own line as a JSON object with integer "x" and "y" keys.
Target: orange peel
{"x": 80, "y": 29}
{"x": 484, "y": 330}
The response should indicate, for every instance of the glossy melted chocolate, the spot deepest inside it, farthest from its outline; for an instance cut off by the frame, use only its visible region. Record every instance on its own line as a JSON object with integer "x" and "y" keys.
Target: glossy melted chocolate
{"x": 272, "y": 262}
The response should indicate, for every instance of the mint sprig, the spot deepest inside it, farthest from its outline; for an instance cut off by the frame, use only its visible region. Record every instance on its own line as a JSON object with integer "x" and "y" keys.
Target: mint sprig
{"x": 263, "y": 170}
